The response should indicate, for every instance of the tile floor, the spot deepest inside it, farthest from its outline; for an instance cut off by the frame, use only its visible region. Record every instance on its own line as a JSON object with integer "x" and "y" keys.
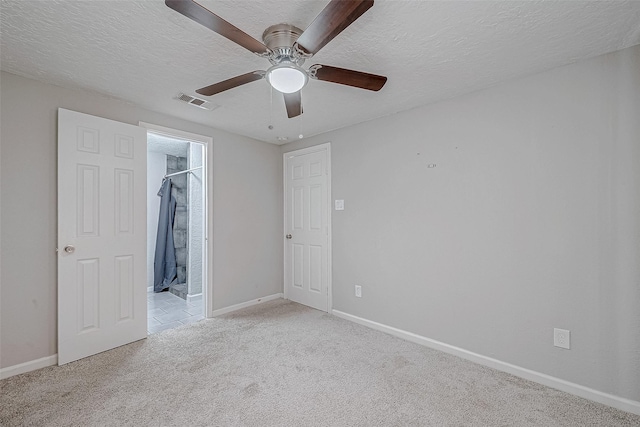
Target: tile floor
{"x": 167, "y": 311}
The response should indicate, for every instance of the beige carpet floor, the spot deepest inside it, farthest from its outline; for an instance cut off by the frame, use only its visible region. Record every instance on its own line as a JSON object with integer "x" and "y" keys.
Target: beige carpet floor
{"x": 283, "y": 364}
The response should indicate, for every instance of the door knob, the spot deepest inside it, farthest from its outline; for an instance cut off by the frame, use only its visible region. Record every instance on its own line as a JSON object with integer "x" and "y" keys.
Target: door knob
{"x": 69, "y": 249}
{"x": 289, "y": 236}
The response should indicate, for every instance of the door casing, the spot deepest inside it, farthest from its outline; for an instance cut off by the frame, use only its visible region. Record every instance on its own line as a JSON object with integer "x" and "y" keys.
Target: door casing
{"x": 207, "y": 142}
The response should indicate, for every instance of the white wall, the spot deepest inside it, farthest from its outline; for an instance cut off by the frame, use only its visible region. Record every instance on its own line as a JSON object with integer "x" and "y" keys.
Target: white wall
{"x": 247, "y": 210}
{"x": 196, "y": 220}
{"x": 156, "y": 169}
{"x": 529, "y": 221}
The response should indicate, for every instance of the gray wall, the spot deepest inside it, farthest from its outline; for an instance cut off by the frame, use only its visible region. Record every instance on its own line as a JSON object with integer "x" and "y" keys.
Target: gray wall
{"x": 244, "y": 242}
{"x": 529, "y": 221}
{"x": 247, "y": 210}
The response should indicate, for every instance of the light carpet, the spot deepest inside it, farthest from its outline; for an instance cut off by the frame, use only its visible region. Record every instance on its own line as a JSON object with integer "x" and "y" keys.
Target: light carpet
{"x": 283, "y": 364}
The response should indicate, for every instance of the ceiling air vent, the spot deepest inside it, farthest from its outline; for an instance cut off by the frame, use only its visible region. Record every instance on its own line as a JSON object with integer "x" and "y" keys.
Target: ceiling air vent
{"x": 196, "y": 102}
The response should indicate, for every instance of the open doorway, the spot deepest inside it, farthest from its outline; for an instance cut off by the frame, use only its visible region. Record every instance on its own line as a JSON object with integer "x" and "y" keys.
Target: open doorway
{"x": 176, "y": 231}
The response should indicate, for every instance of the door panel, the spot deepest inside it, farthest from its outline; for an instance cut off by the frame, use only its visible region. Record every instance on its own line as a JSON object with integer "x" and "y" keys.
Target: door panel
{"x": 124, "y": 201}
{"x": 87, "y": 199}
{"x": 315, "y": 268}
{"x": 87, "y": 288}
{"x": 307, "y": 221}
{"x": 102, "y": 214}
{"x": 124, "y": 287}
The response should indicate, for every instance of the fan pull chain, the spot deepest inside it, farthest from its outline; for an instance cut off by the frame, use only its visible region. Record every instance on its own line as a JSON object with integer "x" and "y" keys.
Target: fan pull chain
{"x": 271, "y": 107}
{"x": 300, "y": 135}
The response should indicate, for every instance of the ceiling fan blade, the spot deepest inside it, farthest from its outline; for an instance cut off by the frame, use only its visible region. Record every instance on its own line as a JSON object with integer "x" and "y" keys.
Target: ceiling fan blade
{"x": 334, "y": 18}
{"x": 231, "y": 83}
{"x": 347, "y": 77}
{"x": 293, "y": 102}
{"x": 204, "y": 16}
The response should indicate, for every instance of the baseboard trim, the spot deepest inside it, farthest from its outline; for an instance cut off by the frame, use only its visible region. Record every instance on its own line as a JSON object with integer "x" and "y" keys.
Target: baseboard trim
{"x": 25, "y": 367}
{"x": 617, "y": 402}
{"x": 221, "y": 311}
{"x": 194, "y": 296}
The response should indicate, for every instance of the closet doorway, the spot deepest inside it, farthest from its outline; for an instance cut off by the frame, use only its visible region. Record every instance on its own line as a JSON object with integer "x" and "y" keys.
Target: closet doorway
{"x": 177, "y": 227}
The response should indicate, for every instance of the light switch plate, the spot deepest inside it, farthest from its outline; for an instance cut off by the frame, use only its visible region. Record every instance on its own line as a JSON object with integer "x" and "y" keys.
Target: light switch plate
{"x": 339, "y": 205}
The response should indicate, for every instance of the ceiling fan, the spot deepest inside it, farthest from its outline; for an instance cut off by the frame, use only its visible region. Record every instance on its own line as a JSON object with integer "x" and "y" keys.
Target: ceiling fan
{"x": 287, "y": 48}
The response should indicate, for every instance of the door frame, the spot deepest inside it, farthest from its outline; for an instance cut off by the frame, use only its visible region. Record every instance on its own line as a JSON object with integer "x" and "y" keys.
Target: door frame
{"x": 207, "y": 142}
{"x": 294, "y": 153}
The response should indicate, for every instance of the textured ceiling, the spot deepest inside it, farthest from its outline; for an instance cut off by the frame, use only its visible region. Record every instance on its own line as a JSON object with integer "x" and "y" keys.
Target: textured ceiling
{"x": 171, "y": 146}
{"x": 145, "y": 53}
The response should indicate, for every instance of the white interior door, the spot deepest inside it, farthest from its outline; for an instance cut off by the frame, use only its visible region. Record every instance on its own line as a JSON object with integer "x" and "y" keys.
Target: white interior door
{"x": 102, "y": 300}
{"x": 307, "y": 271}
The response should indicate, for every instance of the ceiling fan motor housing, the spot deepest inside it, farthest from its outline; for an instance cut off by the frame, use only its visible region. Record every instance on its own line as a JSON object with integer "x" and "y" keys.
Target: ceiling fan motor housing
{"x": 279, "y": 39}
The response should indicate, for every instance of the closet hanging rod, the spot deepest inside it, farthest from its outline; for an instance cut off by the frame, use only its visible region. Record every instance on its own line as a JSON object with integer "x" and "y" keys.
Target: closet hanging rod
{"x": 184, "y": 171}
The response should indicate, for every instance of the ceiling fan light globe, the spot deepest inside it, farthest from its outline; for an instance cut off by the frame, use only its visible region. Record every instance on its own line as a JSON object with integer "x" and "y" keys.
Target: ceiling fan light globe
{"x": 287, "y": 78}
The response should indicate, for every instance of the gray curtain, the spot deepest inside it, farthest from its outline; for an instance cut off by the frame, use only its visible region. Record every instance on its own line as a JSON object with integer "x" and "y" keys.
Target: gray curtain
{"x": 164, "y": 264}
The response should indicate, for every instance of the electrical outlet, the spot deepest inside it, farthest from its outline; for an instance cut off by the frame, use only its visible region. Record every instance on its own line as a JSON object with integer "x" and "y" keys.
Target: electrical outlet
{"x": 562, "y": 338}
{"x": 359, "y": 291}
